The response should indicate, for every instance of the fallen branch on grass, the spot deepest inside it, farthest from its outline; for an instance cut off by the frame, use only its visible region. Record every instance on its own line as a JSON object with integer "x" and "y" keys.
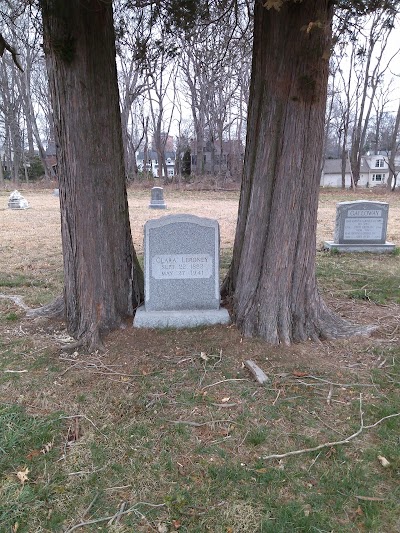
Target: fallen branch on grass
{"x": 259, "y": 375}
{"x": 113, "y": 517}
{"x": 199, "y": 424}
{"x": 332, "y": 383}
{"x": 86, "y": 418}
{"x": 334, "y": 443}
{"x": 224, "y": 381}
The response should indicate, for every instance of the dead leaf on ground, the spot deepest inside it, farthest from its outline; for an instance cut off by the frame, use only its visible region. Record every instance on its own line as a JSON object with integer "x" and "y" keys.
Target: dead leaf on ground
{"x": 32, "y": 454}
{"x": 47, "y": 447}
{"x": 359, "y": 511}
{"x": 22, "y": 475}
{"x": 307, "y": 509}
{"x": 384, "y": 462}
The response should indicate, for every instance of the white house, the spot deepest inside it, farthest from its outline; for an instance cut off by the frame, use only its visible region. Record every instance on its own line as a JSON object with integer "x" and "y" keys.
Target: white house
{"x": 152, "y": 163}
{"x": 374, "y": 171}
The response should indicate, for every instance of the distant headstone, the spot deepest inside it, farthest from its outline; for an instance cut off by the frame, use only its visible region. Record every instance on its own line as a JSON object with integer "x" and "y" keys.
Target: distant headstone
{"x": 181, "y": 267}
{"x": 56, "y": 192}
{"x": 157, "y": 198}
{"x": 17, "y": 201}
{"x": 361, "y": 226}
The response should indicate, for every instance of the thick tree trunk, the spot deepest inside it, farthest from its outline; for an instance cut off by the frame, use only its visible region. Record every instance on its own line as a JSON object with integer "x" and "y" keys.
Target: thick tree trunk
{"x": 103, "y": 281}
{"x": 272, "y": 275}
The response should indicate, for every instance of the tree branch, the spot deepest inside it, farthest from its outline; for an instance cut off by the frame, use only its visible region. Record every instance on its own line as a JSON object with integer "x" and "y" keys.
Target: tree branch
{"x": 334, "y": 443}
{"x": 5, "y": 46}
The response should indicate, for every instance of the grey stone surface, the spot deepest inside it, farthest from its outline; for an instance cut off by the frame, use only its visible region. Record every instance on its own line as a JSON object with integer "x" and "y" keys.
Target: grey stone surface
{"x": 56, "y": 192}
{"x": 17, "y": 201}
{"x": 361, "y": 222}
{"x": 181, "y": 268}
{"x": 180, "y": 319}
{"x": 157, "y": 198}
{"x": 386, "y": 248}
{"x": 361, "y": 226}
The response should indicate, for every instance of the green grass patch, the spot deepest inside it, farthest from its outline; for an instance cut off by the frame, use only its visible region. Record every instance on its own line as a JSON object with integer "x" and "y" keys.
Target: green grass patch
{"x": 18, "y": 281}
{"x": 28, "y": 447}
{"x": 360, "y": 276}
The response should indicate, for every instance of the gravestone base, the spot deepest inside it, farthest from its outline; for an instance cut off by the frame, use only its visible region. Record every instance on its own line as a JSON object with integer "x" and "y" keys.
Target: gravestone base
{"x": 155, "y": 204}
{"x": 383, "y": 248}
{"x": 180, "y": 319}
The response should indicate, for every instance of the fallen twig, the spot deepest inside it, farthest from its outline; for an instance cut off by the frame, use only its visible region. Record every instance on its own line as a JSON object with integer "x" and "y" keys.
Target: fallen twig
{"x": 337, "y": 384}
{"x": 199, "y": 424}
{"x": 334, "y": 443}
{"x": 329, "y": 398}
{"x": 370, "y": 498}
{"x": 86, "y": 512}
{"x": 108, "y": 518}
{"x": 88, "y": 419}
{"x": 259, "y": 375}
{"x": 224, "y": 381}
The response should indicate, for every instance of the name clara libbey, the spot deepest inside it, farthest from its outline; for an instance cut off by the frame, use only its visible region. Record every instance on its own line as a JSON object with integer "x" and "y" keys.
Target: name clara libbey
{"x": 182, "y": 266}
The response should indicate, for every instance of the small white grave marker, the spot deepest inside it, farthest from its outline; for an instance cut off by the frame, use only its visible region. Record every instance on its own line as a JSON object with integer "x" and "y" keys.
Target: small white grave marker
{"x": 17, "y": 201}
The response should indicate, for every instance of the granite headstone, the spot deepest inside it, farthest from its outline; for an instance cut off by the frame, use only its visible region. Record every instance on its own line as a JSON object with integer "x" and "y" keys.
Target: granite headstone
{"x": 181, "y": 267}
{"x": 361, "y": 226}
{"x": 157, "y": 198}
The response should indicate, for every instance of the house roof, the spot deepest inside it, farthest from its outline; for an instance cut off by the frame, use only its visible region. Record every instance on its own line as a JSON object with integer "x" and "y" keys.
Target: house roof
{"x": 334, "y": 166}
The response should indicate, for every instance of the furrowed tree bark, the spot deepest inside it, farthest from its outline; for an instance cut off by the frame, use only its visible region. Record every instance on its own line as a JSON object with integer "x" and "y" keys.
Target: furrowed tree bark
{"x": 272, "y": 276}
{"x": 103, "y": 281}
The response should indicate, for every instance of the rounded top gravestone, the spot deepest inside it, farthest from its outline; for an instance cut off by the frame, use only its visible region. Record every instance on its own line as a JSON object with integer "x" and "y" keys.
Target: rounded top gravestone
{"x": 181, "y": 267}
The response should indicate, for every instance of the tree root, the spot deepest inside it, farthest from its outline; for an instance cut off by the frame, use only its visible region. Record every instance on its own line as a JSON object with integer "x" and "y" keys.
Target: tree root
{"x": 55, "y": 309}
{"x": 17, "y": 300}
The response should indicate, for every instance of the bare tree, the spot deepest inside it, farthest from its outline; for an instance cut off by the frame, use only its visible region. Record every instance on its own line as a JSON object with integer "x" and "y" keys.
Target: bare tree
{"x": 161, "y": 91}
{"x": 370, "y": 72}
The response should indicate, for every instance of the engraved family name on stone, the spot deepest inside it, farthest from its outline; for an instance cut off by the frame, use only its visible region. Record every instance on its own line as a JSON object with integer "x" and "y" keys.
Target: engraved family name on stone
{"x": 364, "y": 213}
{"x": 182, "y": 266}
{"x": 363, "y": 229}
{"x": 361, "y": 226}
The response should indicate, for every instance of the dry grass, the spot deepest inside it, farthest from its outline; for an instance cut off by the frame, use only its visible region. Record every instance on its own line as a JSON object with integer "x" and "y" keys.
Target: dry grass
{"x": 157, "y": 422}
{"x": 31, "y": 239}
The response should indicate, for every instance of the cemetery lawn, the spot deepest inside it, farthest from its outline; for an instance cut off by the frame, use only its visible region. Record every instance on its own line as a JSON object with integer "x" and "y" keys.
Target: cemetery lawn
{"x": 167, "y": 430}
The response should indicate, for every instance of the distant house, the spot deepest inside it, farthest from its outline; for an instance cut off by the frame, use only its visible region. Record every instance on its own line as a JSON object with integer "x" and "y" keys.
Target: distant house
{"x": 152, "y": 163}
{"x": 374, "y": 171}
